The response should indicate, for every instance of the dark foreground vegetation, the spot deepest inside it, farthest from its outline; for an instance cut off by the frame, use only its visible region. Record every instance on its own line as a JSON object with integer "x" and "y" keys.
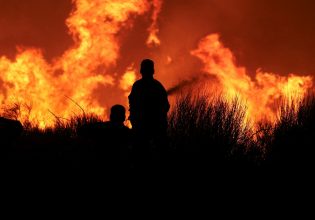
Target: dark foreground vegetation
{"x": 206, "y": 136}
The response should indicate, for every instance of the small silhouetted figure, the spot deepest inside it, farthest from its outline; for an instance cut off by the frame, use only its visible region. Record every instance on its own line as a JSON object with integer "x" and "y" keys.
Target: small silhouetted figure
{"x": 117, "y": 138}
{"x": 114, "y": 129}
{"x": 110, "y": 140}
{"x": 110, "y": 131}
{"x": 148, "y": 105}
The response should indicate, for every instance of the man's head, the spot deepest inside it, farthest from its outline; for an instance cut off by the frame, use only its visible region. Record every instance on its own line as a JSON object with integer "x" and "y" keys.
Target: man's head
{"x": 147, "y": 68}
{"x": 118, "y": 114}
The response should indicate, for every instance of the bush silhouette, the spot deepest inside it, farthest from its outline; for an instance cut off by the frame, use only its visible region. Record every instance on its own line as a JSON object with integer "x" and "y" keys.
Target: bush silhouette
{"x": 292, "y": 143}
{"x": 204, "y": 133}
{"x": 209, "y": 129}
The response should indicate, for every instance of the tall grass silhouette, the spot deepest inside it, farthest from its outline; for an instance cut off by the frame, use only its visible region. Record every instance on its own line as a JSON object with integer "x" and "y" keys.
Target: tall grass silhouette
{"x": 205, "y": 131}
{"x": 292, "y": 141}
{"x": 210, "y": 129}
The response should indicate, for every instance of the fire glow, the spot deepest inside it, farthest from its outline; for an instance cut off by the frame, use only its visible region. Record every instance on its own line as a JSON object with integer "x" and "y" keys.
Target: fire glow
{"x": 42, "y": 87}
{"x": 261, "y": 93}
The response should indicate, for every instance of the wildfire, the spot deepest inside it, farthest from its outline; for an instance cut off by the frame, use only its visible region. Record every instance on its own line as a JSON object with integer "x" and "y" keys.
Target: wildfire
{"x": 153, "y": 39}
{"x": 31, "y": 80}
{"x": 45, "y": 89}
{"x": 261, "y": 93}
{"x": 128, "y": 79}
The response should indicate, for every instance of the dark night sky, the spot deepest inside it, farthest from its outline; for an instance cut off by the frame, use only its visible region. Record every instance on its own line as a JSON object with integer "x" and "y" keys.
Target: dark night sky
{"x": 276, "y": 35}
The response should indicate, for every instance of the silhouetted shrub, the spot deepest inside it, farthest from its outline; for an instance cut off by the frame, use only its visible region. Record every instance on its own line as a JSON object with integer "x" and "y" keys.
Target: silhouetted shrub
{"x": 74, "y": 125}
{"x": 204, "y": 132}
{"x": 210, "y": 129}
{"x": 293, "y": 134}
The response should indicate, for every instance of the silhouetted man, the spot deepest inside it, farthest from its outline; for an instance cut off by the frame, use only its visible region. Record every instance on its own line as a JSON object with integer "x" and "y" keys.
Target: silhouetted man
{"x": 148, "y": 105}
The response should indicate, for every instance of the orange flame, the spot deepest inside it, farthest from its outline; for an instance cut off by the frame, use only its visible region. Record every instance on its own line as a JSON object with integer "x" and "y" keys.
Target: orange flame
{"x": 127, "y": 80}
{"x": 153, "y": 39}
{"x": 30, "y": 79}
{"x": 261, "y": 93}
{"x": 49, "y": 89}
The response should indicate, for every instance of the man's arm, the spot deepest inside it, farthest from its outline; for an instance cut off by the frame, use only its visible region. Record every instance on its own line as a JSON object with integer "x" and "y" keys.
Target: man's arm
{"x": 165, "y": 102}
{"x": 132, "y": 111}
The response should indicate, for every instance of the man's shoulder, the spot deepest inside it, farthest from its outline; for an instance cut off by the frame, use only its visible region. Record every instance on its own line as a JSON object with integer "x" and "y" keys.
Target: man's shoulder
{"x": 137, "y": 83}
{"x": 142, "y": 83}
{"x": 158, "y": 84}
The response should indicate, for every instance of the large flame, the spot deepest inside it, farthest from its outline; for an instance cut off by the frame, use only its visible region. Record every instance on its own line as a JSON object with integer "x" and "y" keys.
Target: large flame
{"x": 260, "y": 93}
{"x": 30, "y": 80}
{"x": 153, "y": 38}
{"x": 65, "y": 86}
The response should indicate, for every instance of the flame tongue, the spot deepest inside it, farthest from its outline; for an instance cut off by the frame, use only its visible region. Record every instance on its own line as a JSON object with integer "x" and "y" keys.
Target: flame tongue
{"x": 30, "y": 79}
{"x": 260, "y": 94}
{"x": 153, "y": 29}
{"x": 45, "y": 90}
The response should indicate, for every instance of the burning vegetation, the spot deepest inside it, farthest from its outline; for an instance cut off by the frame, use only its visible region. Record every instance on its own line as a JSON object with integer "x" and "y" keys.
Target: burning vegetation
{"x": 61, "y": 88}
